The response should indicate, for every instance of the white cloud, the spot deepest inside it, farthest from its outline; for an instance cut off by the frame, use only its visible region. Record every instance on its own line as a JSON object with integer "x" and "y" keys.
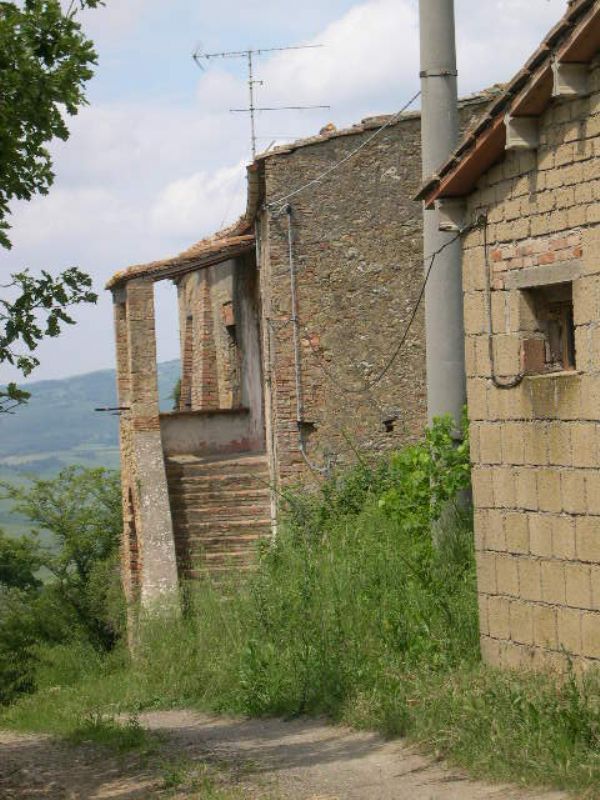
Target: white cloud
{"x": 361, "y": 59}
{"x": 200, "y": 201}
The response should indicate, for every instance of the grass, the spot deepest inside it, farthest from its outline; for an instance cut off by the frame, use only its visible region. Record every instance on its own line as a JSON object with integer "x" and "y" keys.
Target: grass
{"x": 188, "y": 778}
{"x": 106, "y": 731}
{"x": 354, "y": 613}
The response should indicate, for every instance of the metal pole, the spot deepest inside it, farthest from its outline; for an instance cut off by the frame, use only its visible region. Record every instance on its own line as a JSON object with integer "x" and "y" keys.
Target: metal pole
{"x": 446, "y": 392}
{"x": 251, "y": 83}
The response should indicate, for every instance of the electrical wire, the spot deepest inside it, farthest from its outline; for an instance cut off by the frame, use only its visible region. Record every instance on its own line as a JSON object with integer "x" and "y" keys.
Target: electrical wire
{"x": 509, "y": 383}
{"x": 416, "y": 306}
{"x": 277, "y": 206}
{"x": 368, "y": 385}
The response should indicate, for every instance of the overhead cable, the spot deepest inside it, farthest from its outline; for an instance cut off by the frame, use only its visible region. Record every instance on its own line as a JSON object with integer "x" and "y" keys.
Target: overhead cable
{"x": 368, "y": 385}
{"x": 279, "y": 205}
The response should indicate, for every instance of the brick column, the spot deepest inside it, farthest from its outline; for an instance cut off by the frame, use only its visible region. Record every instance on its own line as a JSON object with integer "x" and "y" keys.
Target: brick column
{"x": 145, "y": 495}
{"x": 205, "y": 393}
{"x": 187, "y": 364}
{"x": 130, "y": 568}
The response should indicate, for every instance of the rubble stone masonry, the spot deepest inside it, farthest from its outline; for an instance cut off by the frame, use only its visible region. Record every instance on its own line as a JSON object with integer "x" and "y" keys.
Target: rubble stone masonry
{"x": 536, "y": 447}
{"x": 358, "y": 258}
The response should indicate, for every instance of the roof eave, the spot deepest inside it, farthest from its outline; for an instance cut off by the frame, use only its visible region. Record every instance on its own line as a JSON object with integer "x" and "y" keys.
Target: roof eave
{"x": 178, "y": 267}
{"x": 527, "y": 94}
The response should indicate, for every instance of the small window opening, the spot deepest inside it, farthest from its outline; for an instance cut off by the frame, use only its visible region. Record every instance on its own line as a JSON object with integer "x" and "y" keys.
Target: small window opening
{"x": 552, "y": 347}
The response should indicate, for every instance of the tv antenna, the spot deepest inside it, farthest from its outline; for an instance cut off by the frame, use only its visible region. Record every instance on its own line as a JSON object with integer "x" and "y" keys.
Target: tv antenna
{"x": 249, "y": 55}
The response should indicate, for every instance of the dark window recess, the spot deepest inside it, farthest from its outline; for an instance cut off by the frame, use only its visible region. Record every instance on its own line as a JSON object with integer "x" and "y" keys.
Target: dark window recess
{"x": 552, "y": 347}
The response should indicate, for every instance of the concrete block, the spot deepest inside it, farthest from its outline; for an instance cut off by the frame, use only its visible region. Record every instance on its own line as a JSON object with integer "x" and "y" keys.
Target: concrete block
{"x": 495, "y": 537}
{"x": 498, "y": 617}
{"x": 483, "y": 494}
{"x": 486, "y": 573}
{"x": 544, "y": 627}
{"x": 553, "y": 582}
{"x": 513, "y": 443}
{"x": 549, "y": 486}
{"x": 490, "y": 443}
{"x": 521, "y": 622}
{"x": 569, "y": 630}
{"x": 516, "y": 532}
{"x": 504, "y": 487}
{"x": 563, "y": 537}
{"x": 530, "y": 579}
{"x": 578, "y": 584}
{"x": 584, "y": 445}
{"x": 526, "y": 489}
{"x": 590, "y": 630}
{"x": 592, "y": 492}
{"x": 559, "y": 444}
{"x": 535, "y": 444}
{"x": 540, "y": 535}
{"x": 507, "y": 576}
{"x": 588, "y": 539}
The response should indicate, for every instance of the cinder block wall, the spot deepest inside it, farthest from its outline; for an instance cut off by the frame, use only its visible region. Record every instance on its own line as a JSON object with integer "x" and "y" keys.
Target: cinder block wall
{"x": 536, "y": 448}
{"x": 357, "y": 248}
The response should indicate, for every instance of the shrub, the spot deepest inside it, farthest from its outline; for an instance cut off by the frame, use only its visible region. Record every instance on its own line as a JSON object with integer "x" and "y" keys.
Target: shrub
{"x": 80, "y": 600}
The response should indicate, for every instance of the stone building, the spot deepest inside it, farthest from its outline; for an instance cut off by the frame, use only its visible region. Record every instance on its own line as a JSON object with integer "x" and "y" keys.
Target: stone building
{"x": 528, "y": 179}
{"x": 290, "y": 324}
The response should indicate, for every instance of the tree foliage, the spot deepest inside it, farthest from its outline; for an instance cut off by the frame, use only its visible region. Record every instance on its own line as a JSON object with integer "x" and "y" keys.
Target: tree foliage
{"x": 80, "y": 598}
{"x": 45, "y": 62}
{"x": 20, "y": 323}
{"x": 19, "y": 562}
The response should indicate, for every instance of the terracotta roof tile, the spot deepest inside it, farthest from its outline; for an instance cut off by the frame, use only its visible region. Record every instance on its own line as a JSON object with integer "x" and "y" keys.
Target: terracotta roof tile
{"x": 234, "y": 240}
{"x": 527, "y": 93}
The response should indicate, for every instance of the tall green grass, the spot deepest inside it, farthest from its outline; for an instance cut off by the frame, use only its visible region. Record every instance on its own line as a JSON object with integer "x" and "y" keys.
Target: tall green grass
{"x": 356, "y": 611}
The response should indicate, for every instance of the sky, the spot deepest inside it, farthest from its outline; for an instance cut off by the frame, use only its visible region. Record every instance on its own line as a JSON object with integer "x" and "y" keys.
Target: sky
{"x": 156, "y": 161}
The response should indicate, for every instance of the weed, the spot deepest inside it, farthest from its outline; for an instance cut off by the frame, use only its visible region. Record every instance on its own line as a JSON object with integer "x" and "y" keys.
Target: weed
{"x": 105, "y": 730}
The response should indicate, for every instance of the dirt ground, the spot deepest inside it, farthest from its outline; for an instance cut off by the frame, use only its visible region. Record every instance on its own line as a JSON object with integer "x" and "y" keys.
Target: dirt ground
{"x": 256, "y": 759}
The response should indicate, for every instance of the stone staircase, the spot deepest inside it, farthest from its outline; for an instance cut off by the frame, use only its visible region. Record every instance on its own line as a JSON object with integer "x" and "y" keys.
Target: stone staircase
{"x": 220, "y": 508}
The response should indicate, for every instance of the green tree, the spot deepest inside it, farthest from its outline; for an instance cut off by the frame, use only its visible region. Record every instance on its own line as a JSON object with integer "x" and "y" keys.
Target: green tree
{"x": 19, "y": 562}
{"x": 45, "y": 62}
{"x": 81, "y": 509}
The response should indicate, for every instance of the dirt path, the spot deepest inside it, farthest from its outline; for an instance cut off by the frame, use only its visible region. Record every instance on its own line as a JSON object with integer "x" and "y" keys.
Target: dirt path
{"x": 298, "y": 760}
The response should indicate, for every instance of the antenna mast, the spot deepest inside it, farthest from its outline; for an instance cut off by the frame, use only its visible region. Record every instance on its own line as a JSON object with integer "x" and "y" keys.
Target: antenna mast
{"x": 252, "y": 82}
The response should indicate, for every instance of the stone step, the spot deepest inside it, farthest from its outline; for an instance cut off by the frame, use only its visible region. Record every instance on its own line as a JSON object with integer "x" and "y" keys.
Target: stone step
{"x": 220, "y": 510}
{"x": 219, "y": 540}
{"x": 231, "y": 497}
{"x": 199, "y": 506}
{"x": 227, "y": 495}
{"x": 217, "y": 572}
{"x": 190, "y": 528}
{"x": 223, "y": 556}
{"x": 218, "y": 482}
{"x": 195, "y": 512}
{"x": 220, "y": 466}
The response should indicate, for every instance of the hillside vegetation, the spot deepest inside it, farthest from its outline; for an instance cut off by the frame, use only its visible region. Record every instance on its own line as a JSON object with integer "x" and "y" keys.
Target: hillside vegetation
{"x": 59, "y": 421}
{"x": 59, "y": 428}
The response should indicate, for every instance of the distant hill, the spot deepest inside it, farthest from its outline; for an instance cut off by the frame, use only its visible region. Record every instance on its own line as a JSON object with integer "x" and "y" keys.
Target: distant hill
{"x": 59, "y": 425}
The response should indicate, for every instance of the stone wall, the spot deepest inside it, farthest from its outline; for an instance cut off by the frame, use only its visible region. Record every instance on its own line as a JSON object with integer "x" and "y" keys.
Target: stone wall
{"x": 358, "y": 258}
{"x": 536, "y": 447}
